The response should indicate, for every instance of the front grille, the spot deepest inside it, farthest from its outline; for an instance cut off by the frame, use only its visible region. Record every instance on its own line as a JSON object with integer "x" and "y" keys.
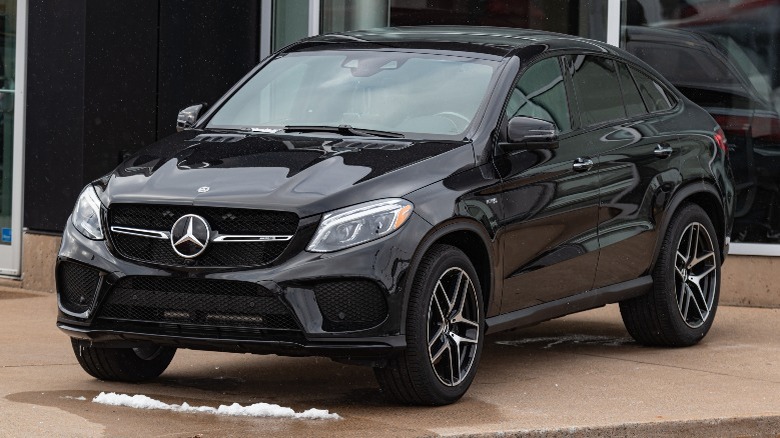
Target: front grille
{"x": 77, "y": 285}
{"x": 230, "y": 221}
{"x": 350, "y": 305}
{"x": 213, "y": 303}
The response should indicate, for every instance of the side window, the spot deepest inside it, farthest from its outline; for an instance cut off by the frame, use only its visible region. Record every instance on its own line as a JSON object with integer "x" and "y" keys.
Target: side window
{"x": 597, "y": 88}
{"x": 631, "y": 97}
{"x": 654, "y": 94}
{"x": 540, "y": 93}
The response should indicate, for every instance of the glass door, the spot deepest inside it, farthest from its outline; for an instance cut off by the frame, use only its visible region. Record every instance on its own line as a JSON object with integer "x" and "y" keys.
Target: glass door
{"x": 10, "y": 145}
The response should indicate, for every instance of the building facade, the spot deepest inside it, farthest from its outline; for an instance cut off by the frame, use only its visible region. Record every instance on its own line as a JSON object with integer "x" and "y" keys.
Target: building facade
{"x": 88, "y": 82}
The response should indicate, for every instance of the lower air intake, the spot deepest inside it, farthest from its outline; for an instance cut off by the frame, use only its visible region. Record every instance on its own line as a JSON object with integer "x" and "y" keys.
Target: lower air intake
{"x": 351, "y": 305}
{"x": 77, "y": 285}
{"x": 215, "y": 303}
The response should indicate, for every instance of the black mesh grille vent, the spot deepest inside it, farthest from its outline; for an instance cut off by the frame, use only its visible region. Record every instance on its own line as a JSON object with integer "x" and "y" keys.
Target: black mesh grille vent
{"x": 351, "y": 305}
{"x": 223, "y": 220}
{"x": 77, "y": 286}
{"x": 218, "y": 303}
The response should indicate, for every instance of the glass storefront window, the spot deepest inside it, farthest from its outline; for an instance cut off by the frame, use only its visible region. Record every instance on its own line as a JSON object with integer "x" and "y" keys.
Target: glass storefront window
{"x": 575, "y": 17}
{"x": 290, "y": 22}
{"x": 342, "y": 15}
{"x": 725, "y": 56}
{"x": 7, "y": 88}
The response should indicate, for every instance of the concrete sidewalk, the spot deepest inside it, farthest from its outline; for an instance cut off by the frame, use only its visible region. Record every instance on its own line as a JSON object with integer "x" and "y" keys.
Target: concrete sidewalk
{"x": 576, "y": 376}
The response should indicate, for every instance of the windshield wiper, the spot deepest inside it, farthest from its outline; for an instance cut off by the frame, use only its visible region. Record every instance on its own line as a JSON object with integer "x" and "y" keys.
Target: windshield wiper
{"x": 343, "y": 130}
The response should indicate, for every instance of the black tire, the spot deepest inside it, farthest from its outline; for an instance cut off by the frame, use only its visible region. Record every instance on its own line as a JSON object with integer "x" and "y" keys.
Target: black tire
{"x": 416, "y": 376}
{"x": 679, "y": 310}
{"x": 123, "y": 364}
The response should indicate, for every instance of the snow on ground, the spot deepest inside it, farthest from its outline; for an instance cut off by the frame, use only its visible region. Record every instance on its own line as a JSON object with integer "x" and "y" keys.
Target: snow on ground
{"x": 235, "y": 410}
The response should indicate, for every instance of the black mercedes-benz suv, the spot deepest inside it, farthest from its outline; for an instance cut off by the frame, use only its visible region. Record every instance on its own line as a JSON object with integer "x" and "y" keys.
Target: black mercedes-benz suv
{"x": 388, "y": 197}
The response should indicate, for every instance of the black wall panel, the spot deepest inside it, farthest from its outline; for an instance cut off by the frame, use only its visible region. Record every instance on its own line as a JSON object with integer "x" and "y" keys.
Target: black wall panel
{"x": 55, "y": 111}
{"x": 106, "y": 78}
{"x": 205, "y": 47}
{"x": 120, "y": 113}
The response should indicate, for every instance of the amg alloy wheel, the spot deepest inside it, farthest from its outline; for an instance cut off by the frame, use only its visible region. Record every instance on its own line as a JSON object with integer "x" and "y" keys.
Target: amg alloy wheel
{"x": 679, "y": 311}
{"x": 444, "y": 332}
{"x": 453, "y": 330}
{"x": 696, "y": 277}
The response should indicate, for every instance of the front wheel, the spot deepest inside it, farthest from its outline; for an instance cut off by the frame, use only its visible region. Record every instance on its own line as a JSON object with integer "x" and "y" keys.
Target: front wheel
{"x": 444, "y": 332}
{"x": 686, "y": 285}
{"x": 123, "y": 364}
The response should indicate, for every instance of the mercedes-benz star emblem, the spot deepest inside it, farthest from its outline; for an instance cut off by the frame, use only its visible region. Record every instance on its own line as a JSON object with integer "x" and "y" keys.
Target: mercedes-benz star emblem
{"x": 190, "y": 236}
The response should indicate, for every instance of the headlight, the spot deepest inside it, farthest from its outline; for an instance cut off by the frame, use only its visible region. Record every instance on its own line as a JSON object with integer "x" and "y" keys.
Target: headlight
{"x": 86, "y": 214}
{"x": 360, "y": 223}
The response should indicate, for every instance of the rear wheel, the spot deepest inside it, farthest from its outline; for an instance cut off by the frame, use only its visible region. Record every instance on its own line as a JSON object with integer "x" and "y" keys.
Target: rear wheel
{"x": 123, "y": 364}
{"x": 686, "y": 285}
{"x": 444, "y": 332}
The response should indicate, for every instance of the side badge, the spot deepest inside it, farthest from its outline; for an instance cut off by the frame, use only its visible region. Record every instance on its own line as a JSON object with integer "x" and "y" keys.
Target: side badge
{"x": 204, "y": 189}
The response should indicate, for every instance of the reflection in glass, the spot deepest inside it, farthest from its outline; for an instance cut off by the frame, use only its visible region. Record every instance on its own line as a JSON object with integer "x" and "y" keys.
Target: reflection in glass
{"x": 343, "y": 15}
{"x": 387, "y": 91}
{"x": 725, "y": 56}
{"x": 540, "y": 93}
{"x": 575, "y": 17}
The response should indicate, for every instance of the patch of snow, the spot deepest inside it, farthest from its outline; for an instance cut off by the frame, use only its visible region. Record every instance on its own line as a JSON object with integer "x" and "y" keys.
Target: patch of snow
{"x": 236, "y": 410}
{"x": 82, "y": 398}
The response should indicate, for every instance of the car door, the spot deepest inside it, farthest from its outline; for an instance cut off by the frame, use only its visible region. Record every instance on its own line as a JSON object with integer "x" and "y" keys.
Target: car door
{"x": 638, "y": 165}
{"x": 549, "y": 200}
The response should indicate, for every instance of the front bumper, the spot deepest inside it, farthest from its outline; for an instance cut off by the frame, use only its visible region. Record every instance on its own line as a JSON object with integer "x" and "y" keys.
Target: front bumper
{"x": 364, "y": 347}
{"x": 384, "y": 262}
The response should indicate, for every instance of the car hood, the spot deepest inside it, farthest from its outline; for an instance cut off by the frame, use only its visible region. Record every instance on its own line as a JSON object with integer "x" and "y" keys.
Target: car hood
{"x": 300, "y": 173}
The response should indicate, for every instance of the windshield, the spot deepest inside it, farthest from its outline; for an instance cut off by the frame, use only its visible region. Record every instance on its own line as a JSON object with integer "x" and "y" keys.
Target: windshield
{"x": 383, "y": 91}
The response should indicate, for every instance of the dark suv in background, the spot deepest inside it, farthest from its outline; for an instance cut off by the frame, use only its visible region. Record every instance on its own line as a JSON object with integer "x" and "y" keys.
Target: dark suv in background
{"x": 719, "y": 75}
{"x": 388, "y": 197}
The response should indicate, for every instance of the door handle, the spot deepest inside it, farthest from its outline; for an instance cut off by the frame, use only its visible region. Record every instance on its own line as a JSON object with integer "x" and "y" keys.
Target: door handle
{"x": 662, "y": 150}
{"x": 582, "y": 164}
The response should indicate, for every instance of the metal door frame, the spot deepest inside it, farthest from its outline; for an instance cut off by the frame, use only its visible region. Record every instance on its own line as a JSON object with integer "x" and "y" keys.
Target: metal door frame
{"x": 11, "y": 255}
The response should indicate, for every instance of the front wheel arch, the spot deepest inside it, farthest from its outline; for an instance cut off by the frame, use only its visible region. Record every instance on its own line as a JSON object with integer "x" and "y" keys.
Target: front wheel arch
{"x": 445, "y": 332}
{"x": 470, "y": 237}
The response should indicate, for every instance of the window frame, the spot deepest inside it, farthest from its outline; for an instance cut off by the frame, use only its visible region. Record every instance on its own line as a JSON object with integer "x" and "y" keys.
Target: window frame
{"x": 520, "y": 75}
{"x": 504, "y": 120}
{"x": 574, "y": 101}
{"x": 636, "y": 87}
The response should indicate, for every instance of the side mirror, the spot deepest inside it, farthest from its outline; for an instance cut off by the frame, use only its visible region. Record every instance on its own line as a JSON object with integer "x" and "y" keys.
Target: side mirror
{"x": 188, "y": 116}
{"x": 527, "y": 133}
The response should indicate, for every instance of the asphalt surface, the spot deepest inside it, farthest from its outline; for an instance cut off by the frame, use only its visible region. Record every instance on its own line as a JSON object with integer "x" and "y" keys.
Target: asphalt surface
{"x": 576, "y": 376}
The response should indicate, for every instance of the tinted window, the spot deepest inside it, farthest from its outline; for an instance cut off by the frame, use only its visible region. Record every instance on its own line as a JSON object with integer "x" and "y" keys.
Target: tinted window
{"x": 654, "y": 94}
{"x": 540, "y": 93}
{"x": 598, "y": 90}
{"x": 631, "y": 97}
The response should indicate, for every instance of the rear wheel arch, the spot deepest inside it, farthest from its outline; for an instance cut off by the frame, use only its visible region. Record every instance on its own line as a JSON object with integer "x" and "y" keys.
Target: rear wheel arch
{"x": 705, "y": 195}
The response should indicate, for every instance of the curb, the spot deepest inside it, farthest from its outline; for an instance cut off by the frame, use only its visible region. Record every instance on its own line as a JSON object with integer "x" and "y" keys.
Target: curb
{"x": 762, "y": 426}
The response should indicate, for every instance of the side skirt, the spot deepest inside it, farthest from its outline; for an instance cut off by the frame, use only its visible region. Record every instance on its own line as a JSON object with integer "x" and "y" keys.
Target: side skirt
{"x": 573, "y": 304}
